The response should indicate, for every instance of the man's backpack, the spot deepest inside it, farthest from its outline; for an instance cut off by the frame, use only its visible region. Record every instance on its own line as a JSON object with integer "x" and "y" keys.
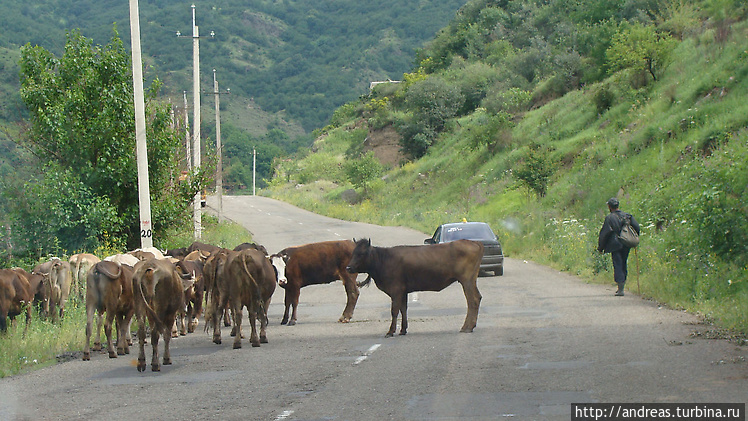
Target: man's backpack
{"x": 628, "y": 236}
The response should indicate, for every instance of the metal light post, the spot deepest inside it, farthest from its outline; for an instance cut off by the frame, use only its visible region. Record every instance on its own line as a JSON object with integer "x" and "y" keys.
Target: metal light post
{"x": 196, "y": 118}
{"x": 219, "y": 147}
{"x": 254, "y": 171}
{"x": 144, "y": 193}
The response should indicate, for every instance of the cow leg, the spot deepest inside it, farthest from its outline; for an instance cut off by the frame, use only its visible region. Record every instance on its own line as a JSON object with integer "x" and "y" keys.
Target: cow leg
{"x": 155, "y": 365}
{"x": 167, "y": 341}
{"x": 121, "y": 341}
{"x": 99, "y": 322}
{"x": 254, "y": 339}
{"x": 352, "y": 293}
{"x": 220, "y": 308}
{"x": 237, "y": 316}
{"x": 473, "y": 297}
{"x": 141, "y": 344}
{"x": 295, "y": 292}
{"x": 394, "y": 311}
{"x": 227, "y": 317}
{"x": 264, "y": 322}
{"x": 404, "y": 314}
{"x": 128, "y": 333}
{"x": 108, "y": 331}
{"x": 89, "y": 326}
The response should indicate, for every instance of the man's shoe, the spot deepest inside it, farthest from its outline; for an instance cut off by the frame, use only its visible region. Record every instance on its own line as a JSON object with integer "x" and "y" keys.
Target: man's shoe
{"x": 619, "y": 293}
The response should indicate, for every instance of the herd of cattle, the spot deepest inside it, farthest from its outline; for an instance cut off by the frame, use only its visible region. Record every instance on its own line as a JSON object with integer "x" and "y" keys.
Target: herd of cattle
{"x": 169, "y": 289}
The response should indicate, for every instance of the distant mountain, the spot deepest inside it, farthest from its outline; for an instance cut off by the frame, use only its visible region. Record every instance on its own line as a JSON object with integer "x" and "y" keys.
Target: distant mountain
{"x": 288, "y": 64}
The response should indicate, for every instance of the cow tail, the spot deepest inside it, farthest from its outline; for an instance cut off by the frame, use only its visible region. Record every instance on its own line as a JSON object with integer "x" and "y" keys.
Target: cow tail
{"x": 254, "y": 284}
{"x": 151, "y": 312}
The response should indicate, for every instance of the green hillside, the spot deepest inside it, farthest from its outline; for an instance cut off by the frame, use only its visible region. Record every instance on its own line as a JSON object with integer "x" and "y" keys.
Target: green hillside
{"x": 530, "y": 115}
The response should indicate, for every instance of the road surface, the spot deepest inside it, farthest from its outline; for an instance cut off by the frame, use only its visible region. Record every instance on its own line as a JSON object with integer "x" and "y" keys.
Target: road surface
{"x": 544, "y": 340}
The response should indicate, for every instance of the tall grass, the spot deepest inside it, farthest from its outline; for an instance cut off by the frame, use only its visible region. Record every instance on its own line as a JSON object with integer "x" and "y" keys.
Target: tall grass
{"x": 44, "y": 342}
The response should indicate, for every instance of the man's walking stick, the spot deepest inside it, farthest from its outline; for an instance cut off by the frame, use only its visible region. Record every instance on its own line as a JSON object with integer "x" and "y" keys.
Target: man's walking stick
{"x": 638, "y": 287}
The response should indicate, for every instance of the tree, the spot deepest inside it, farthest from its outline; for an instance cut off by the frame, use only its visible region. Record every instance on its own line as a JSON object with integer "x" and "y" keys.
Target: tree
{"x": 640, "y": 48}
{"x": 361, "y": 172}
{"x": 83, "y": 130}
{"x": 536, "y": 169}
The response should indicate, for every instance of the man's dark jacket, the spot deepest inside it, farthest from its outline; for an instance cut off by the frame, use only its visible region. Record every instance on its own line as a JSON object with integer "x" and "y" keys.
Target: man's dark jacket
{"x": 607, "y": 241}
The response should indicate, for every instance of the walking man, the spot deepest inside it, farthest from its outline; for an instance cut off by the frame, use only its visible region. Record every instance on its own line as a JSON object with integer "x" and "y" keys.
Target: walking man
{"x": 607, "y": 242}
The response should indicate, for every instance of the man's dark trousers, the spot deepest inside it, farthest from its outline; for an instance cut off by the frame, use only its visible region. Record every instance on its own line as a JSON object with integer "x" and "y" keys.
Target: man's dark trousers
{"x": 620, "y": 267}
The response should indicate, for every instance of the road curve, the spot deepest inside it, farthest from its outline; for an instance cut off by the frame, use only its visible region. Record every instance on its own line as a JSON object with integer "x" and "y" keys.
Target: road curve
{"x": 544, "y": 340}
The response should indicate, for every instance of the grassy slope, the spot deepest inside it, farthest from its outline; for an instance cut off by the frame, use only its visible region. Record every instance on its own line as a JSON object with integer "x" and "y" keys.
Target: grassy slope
{"x": 648, "y": 149}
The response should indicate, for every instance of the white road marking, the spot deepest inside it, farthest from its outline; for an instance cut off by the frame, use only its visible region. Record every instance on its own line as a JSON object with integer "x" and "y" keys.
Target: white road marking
{"x": 283, "y": 415}
{"x": 368, "y": 352}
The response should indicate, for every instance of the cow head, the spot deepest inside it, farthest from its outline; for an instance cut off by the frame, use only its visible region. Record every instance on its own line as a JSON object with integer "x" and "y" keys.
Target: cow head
{"x": 360, "y": 257}
{"x": 279, "y": 263}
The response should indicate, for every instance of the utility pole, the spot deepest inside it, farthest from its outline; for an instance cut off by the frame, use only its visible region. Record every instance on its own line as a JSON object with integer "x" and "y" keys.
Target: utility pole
{"x": 187, "y": 134}
{"x": 196, "y": 118}
{"x": 219, "y": 148}
{"x": 144, "y": 193}
{"x": 254, "y": 171}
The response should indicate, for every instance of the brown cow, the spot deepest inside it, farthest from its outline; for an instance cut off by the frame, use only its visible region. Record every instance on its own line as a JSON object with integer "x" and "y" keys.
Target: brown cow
{"x": 314, "y": 264}
{"x": 15, "y": 297}
{"x": 36, "y": 286}
{"x": 403, "y": 269}
{"x": 109, "y": 290}
{"x": 244, "y": 246}
{"x": 241, "y": 279}
{"x": 193, "y": 295}
{"x": 158, "y": 294}
{"x": 57, "y": 279}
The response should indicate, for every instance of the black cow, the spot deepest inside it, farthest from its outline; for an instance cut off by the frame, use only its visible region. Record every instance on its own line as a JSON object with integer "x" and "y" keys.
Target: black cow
{"x": 403, "y": 269}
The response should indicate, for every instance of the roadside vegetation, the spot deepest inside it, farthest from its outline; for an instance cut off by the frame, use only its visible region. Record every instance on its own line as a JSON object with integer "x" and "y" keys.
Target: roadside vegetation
{"x": 46, "y": 342}
{"x": 530, "y": 116}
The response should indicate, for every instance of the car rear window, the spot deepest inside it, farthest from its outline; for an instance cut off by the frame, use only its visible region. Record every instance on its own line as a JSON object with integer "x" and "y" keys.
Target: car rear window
{"x": 467, "y": 232}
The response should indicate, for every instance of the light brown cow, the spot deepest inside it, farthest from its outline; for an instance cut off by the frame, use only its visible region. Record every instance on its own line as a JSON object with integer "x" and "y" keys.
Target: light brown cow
{"x": 57, "y": 279}
{"x": 109, "y": 290}
{"x": 79, "y": 266}
{"x": 158, "y": 294}
{"x": 241, "y": 279}
{"x": 15, "y": 297}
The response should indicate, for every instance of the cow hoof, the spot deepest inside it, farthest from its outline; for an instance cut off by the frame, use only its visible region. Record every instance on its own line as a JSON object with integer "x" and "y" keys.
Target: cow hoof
{"x": 155, "y": 367}
{"x": 141, "y": 366}
{"x": 237, "y": 345}
{"x": 389, "y": 335}
{"x": 255, "y": 344}
{"x": 344, "y": 319}
{"x": 167, "y": 361}
{"x": 263, "y": 339}
{"x": 86, "y": 356}
{"x": 96, "y": 347}
{"x": 284, "y": 321}
{"x": 121, "y": 352}
{"x": 291, "y": 322}
{"x": 466, "y": 330}
{"x": 112, "y": 354}
{"x": 217, "y": 341}
{"x": 403, "y": 333}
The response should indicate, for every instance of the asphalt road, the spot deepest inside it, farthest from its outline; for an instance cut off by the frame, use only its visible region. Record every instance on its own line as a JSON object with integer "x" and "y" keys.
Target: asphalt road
{"x": 544, "y": 340}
